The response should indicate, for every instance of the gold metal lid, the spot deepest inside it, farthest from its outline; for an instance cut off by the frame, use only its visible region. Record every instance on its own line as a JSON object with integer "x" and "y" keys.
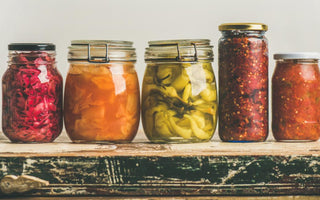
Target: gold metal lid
{"x": 243, "y": 26}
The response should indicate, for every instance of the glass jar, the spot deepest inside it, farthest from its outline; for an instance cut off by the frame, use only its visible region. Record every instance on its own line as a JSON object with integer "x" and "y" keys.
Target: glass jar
{"x": 296, "y": 97}
{"x": 243, "y": 82}
{"x": 179, "y": 100}
{"x": 32, "y": 94}
{"x": 102, "y": 101}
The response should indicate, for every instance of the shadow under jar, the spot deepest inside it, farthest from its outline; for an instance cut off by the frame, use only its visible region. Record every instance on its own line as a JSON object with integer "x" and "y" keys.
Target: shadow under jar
{"x": 243, "y": 82}
{"x": 296, "y": 97}
{"x": 102, "y": 101}
{"x": 179, "y": 97}
{"x": 32, "y": 94}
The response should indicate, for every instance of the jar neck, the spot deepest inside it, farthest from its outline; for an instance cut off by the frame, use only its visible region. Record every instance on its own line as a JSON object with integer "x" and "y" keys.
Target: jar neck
{"x": 111, "y": 62}
{"x": 32, "y": 57}
{"x": 243, "y": 33}
{"x": 177, "y": 62}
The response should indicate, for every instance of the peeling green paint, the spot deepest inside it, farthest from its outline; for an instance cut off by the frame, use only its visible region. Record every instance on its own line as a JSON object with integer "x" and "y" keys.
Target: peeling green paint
{"x": 183, "y": 175}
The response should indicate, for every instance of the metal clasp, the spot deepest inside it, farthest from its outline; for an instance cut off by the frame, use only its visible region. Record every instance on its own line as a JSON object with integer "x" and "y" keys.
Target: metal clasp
{"x": 97, "y": 59}
{"x": 181, "y": 59}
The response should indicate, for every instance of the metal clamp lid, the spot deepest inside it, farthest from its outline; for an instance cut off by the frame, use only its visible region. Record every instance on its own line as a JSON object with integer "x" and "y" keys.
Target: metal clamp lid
{"x": 101, "y": 51}
{"x": 179, "y": 50}
{"x": 97, "y": 59}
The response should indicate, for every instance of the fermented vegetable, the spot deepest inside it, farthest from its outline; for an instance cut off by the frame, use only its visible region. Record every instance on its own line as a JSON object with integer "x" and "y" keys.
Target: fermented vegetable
{"x": 32, "y": 97}
{"x": 179, "y": 102}
{"x": 102, "y": 102}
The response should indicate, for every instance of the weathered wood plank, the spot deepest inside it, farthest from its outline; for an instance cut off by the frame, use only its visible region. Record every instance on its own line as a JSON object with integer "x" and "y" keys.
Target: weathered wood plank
{"x": 144, "y": 148}
{"x": 196, "y": 175}
{"x": 178, "y": 198}
{"x": 145, "y": 169}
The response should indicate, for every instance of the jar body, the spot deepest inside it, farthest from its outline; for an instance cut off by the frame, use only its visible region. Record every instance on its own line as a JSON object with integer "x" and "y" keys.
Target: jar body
{"x": 179, "y": 102}
{"x": 102, "y": 102}
{"x": 243, "y": 86}
{"x": 32, "y": 97}
{"x": 295, "y": 101}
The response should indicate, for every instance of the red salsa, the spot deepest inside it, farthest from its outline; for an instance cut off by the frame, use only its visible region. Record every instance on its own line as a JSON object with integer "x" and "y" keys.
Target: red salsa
{"x": 243, "y": 83}
{"x": 296, "y": 97}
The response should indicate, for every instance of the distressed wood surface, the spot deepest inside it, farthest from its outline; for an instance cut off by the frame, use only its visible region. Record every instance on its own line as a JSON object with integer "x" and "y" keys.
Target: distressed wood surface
{"x": 141, "y": 147}
{"x": 145, "y": 169}
{"x": 177, "y": 198}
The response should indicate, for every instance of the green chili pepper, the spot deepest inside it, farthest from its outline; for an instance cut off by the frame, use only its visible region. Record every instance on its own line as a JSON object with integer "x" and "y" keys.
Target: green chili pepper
{"x": 198, "y": 132}
{"x": 183, "y": 132}
{"x": 209, "y": 94}
{"x": 162, "y": 126}
{"x": 181, "y": 81}
{"x": 164, "y": 75}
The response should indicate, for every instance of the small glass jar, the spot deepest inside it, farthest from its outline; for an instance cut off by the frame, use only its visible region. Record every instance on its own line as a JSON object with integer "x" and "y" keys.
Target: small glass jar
{"x": 243, "y": 82}
{"x": 296, "y": 97}
{"x": 32, "y": 94}
{"x": 102, "y": 101}
{"x": 179, "y": 97}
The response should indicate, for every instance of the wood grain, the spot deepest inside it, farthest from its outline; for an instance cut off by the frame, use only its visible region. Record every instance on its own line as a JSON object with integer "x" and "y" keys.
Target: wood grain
{"x": 176, "y": 198}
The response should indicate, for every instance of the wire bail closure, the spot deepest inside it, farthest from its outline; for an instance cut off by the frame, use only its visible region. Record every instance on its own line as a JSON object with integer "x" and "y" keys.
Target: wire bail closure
{"x": 98, "y": 59}
{"x": 180, "y": 58}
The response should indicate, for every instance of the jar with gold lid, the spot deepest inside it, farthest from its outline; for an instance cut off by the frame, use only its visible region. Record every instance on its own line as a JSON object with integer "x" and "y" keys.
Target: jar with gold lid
{"x": 243, "y": 82}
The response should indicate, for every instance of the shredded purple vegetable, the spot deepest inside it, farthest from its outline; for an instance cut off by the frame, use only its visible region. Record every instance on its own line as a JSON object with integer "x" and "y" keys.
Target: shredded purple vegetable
{"x": 32, "y": 98}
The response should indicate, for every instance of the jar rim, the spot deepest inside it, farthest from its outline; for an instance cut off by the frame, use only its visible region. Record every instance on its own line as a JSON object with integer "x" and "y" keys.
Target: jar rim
{"x": 31, "y": 47}
{"x": 185, "y": 42}
{"x": 180, "y": 50}
{"x": 297, "y": 55}
{"x": 243, "y": 26}
{"x": 119, "y": 43}
{"x": 101, "y": 51}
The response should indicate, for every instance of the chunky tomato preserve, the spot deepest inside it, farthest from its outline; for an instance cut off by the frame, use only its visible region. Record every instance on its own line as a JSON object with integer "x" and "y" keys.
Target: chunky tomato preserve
{"x": 243, "y": 83}
{"x": 296, "y": 100}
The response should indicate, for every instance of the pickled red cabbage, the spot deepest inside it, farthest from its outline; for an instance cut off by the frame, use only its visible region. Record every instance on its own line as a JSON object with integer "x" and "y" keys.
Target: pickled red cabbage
{"x": 32, "y": 98}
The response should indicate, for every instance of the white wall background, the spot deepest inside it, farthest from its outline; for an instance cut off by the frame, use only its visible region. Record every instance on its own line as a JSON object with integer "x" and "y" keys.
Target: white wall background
{"x": 294, "y": 25}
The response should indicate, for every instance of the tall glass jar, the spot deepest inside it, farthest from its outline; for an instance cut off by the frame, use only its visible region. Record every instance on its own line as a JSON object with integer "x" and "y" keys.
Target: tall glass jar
{"x": 102, "y": 101}
{"x": 243, "y": 82}
{"x": 32, "y": 94}
{"x": 179, "y": 100}
{"x": 296, "y": 97}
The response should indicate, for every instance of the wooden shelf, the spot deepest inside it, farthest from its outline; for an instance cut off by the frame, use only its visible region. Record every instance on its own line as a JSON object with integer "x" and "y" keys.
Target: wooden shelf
{"x": 142, "y": 168}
